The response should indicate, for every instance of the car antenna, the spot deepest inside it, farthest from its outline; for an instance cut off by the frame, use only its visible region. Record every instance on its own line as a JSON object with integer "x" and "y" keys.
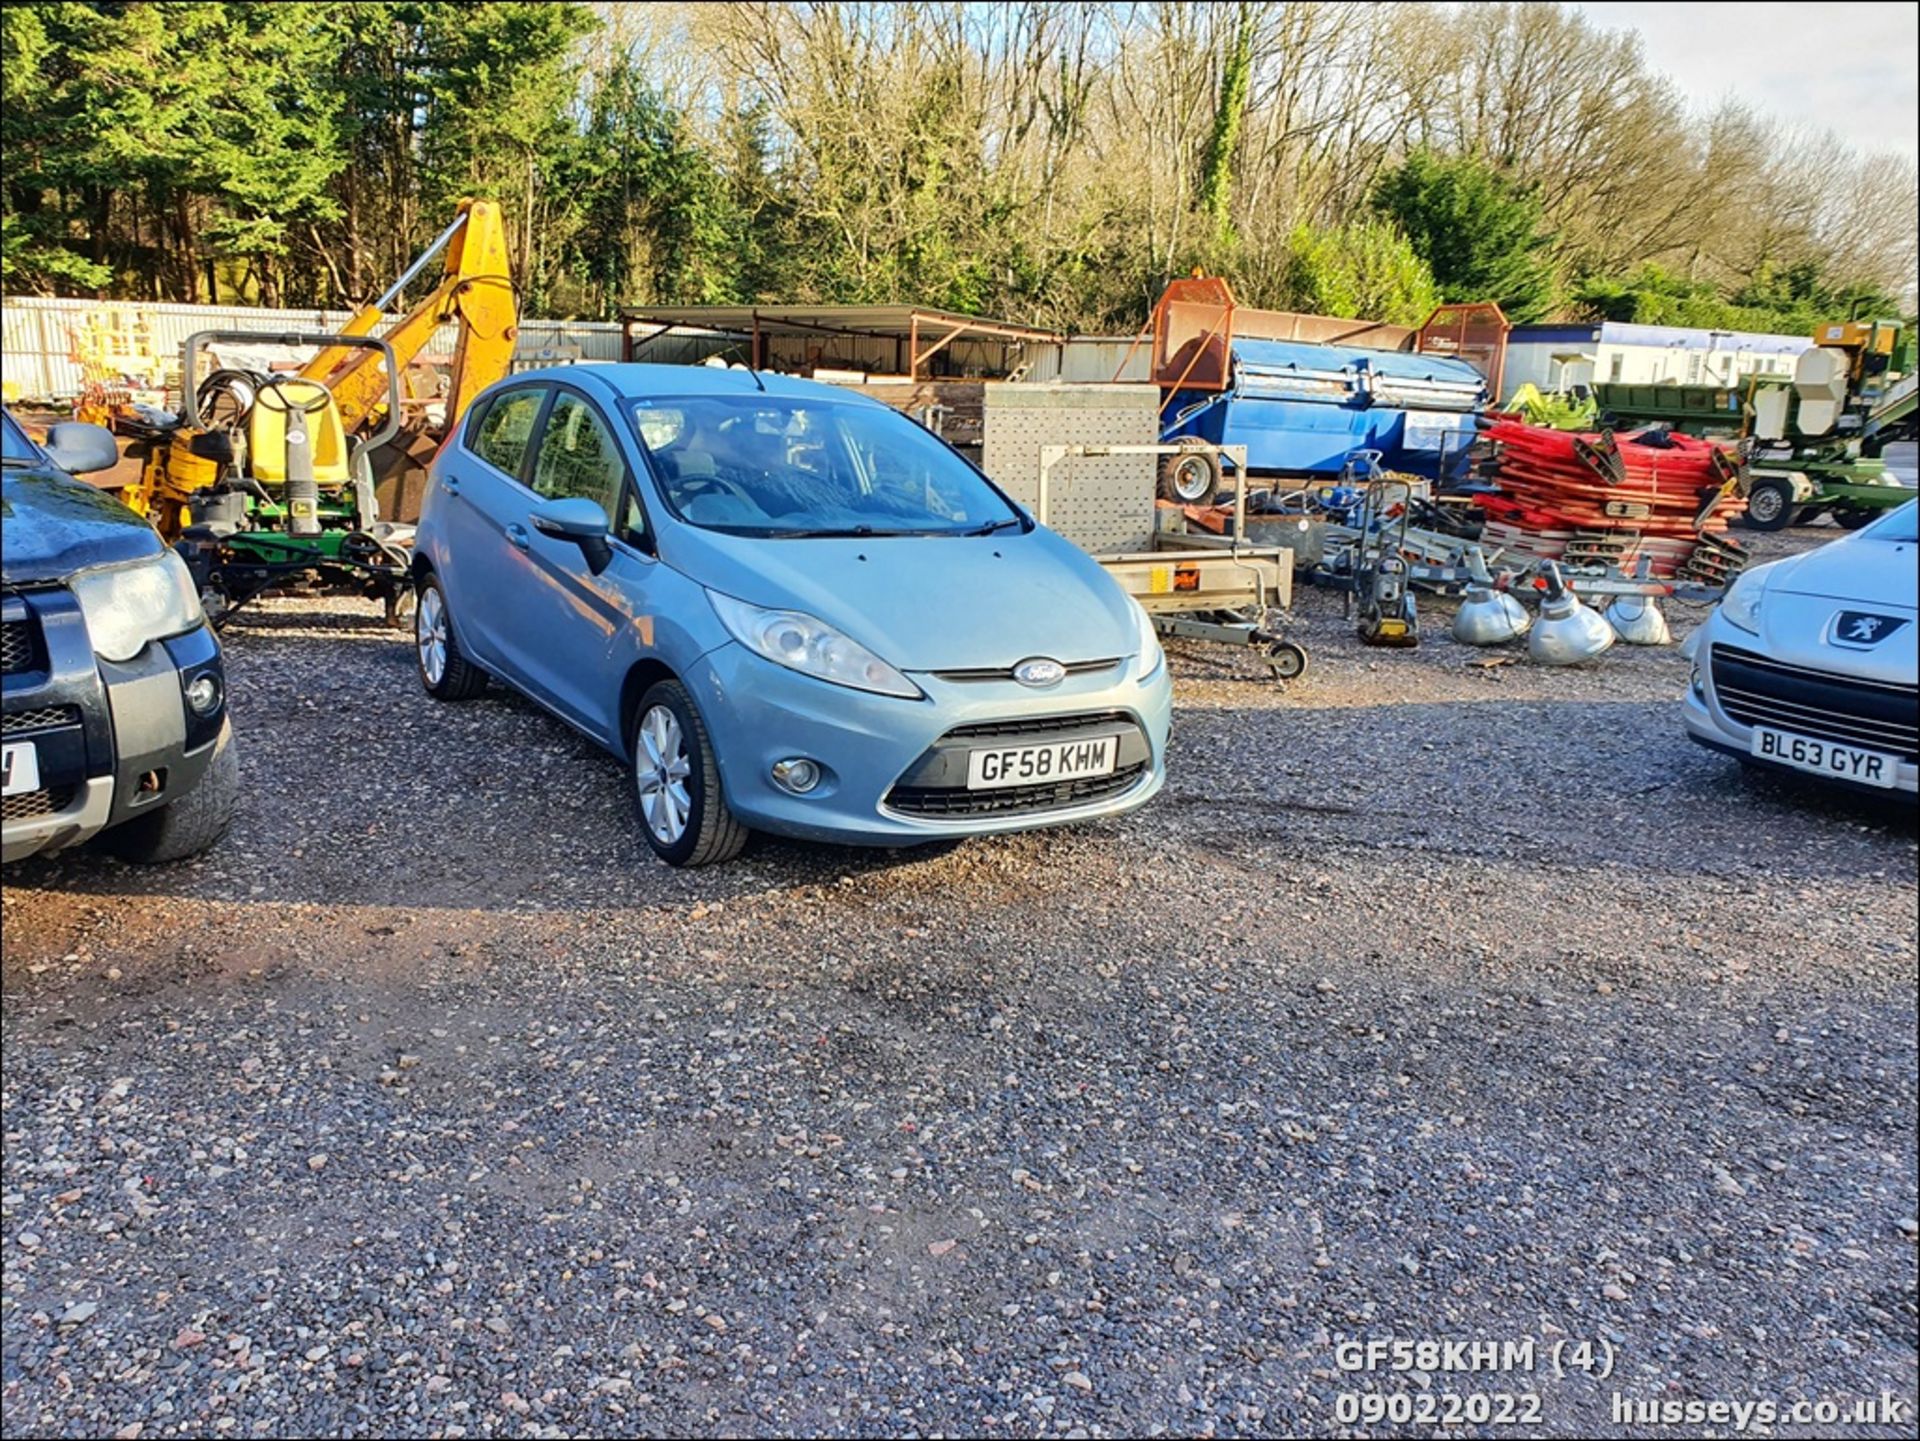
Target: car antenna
{"x": 756, "y": 378}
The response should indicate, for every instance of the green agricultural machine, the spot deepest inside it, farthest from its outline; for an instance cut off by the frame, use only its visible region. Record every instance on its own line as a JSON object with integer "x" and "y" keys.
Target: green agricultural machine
{"x": 1814, "y": 439}
{"x": 257, "y": 482}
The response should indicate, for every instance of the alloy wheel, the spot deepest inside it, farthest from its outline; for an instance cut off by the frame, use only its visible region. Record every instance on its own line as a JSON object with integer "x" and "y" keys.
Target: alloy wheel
{"x": 430, "y": 634}
{"x": 661, "y": 767}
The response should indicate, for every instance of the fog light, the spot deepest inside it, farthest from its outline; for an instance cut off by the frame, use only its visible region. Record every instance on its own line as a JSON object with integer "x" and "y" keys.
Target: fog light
{"x": 796, "y": 774}
{"x": 1698, "y": 681}
{"x": 203, "y": 694}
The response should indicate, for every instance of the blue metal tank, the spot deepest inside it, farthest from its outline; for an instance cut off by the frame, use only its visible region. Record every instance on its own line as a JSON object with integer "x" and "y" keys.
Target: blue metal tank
{"x": 1302, "y": 408}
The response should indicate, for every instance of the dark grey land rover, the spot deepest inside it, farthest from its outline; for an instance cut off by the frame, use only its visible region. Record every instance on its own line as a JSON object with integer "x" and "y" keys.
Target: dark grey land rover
{"x": 111, "y": 688}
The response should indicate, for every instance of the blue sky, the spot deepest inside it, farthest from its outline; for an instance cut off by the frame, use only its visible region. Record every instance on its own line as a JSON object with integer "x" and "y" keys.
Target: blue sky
{"x": 1850, "y": 68}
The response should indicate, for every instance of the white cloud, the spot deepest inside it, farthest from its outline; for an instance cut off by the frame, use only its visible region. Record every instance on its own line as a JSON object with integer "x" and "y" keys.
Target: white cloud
{"x": 1853, "y": 68}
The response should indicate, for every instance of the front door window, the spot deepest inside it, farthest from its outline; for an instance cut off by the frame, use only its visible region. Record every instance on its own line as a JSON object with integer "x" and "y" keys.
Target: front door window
{"x": 578, "y": 457}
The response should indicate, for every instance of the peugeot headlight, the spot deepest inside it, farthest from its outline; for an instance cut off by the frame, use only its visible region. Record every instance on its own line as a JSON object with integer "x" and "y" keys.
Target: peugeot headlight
{"x": 1146, "y": 642}
{"x": 812, "y": 647}
{"x": 1741, "y": 606}
{"x": 126, "y": 606}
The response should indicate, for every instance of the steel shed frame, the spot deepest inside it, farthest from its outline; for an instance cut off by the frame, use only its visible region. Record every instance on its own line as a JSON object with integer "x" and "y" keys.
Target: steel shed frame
{"x": 905, "y": 325}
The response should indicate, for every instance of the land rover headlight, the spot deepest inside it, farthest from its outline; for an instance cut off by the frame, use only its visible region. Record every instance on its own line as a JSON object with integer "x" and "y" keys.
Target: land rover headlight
{"x": 126, "y": 606}
{"x": 800, "y": 642}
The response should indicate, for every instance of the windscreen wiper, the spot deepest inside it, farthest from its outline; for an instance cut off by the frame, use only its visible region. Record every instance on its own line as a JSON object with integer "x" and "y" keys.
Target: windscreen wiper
{"x": 855, "y": 532}
{"x": 993, "y": 526}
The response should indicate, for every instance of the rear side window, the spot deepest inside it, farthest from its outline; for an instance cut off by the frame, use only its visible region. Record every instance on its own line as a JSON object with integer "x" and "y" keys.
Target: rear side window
{"x": 506, "y": 427}
{"x": 578, "y": 457}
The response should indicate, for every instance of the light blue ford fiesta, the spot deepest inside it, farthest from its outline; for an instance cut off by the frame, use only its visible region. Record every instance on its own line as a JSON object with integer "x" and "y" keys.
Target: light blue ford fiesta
{"x": 786, "y": 607}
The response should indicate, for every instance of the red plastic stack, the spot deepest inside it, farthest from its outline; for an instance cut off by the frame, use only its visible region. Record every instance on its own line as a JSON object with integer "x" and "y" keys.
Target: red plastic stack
{"x": 1583, "y": 498}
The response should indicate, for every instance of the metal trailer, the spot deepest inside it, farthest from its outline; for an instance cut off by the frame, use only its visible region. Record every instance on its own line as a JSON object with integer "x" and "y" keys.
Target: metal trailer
{"x": 1201, "y": 586}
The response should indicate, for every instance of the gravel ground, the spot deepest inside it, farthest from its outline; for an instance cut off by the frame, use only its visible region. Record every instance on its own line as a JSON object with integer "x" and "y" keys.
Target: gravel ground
{"x": 1433, "y": 999}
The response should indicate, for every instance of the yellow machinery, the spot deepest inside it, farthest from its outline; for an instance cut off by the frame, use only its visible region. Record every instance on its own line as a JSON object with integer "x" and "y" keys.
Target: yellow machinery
{"x": 475, "y": 291}
{"x": 1868, "y": 344}
{"x": 268, "y": 427}
{"x": 113, "y": 345}
{"x": 344, "y": 388}
{"x": 267, "y": 476}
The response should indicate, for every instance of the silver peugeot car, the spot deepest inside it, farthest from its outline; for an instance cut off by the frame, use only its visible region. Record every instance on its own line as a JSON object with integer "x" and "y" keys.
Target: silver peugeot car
{"x": 786, "y": 607}
{"x": 1810, "y": 664}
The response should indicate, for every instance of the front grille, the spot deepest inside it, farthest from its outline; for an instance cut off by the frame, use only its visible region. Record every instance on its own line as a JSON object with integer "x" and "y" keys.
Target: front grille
{"x": 19, "y": 647}
{"x": 1876, "y": 715}
{"x": 19, "y": 722}
{"x": 30, "y": 805}
{"x": 1034, "y": 725}
{"x": 1005, "y": 672}
{"x": 1011, "y": 800}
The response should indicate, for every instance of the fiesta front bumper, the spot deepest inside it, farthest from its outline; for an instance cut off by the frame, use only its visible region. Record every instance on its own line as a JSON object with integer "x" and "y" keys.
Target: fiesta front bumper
{"x": 866, "y": 745}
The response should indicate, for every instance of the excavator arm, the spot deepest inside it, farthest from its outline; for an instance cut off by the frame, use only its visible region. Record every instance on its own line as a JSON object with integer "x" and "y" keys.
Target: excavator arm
{"x": 475, "y": 291}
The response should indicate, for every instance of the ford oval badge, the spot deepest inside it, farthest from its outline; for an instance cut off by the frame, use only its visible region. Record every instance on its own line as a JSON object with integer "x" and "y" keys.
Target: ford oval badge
{"x": 1039, "y": 672}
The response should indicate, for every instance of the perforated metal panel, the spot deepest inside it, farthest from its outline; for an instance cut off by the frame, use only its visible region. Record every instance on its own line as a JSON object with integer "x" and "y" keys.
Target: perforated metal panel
{"x": 1102, "y": 504}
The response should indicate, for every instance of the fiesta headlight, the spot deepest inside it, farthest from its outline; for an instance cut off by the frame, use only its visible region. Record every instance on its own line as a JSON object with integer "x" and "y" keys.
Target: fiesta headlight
{"x": 800, "y": 642}
{"x": 1741, "y": 606}
{"x": 1146, "y": 642}
{"x": 126, "y": 606}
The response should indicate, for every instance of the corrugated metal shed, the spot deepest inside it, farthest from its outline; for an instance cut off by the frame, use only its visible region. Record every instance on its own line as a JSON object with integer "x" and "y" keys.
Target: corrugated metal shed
{"x": 1094, "y": 359}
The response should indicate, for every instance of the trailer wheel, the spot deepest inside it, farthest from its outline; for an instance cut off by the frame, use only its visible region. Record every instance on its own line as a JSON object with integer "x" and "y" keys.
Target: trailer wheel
{"x": 1191, "y": 478}
{"x": 1289, "y": 661}
{"x": 1852, "y": 517}
{"x": 1770, "y": 504}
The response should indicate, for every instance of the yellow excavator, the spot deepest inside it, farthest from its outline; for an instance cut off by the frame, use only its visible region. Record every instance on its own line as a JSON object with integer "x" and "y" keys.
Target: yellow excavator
{"x": 271, "y": 475}
{"x": 476, "y": 292}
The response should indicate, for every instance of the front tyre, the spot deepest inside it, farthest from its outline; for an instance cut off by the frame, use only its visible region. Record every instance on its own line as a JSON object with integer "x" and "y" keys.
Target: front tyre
{"x": 445, "y": 672}
{"x": 676, "y": 782}
{"x": 186, "y": 826}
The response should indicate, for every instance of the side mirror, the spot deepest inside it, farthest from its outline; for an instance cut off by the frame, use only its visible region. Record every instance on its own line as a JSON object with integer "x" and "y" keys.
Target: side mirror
{"x": 79, "y": 448}
{"x": 579, "y": 520}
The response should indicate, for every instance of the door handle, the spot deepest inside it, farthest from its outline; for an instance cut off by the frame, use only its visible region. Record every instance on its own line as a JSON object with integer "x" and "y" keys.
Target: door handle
{"x": 518, "y": 535}
{"x": 450, "y": 484}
